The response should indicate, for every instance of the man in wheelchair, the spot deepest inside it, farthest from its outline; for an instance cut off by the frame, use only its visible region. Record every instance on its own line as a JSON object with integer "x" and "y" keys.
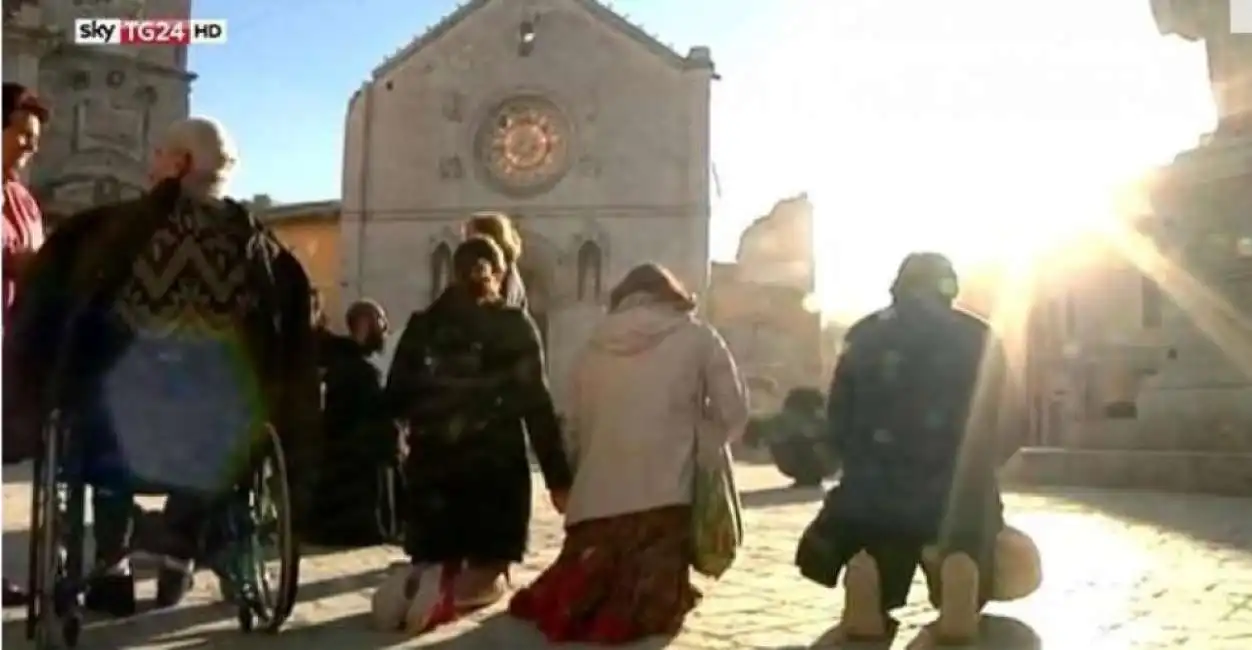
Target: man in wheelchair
{"x": 170, "y": 337}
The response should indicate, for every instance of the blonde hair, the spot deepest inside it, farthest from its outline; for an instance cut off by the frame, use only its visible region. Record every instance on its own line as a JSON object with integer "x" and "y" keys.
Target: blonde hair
{"x": 498, "y": 227}
{"x": 212, "y": 151}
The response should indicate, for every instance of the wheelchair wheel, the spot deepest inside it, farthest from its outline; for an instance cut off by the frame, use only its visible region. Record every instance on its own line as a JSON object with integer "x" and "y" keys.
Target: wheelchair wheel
{"x": 271, "y": 511}
{"x": 53, "y": 616}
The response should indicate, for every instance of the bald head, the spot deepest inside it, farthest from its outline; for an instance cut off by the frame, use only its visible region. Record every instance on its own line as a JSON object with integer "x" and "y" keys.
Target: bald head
{"x": 200, "y": 153}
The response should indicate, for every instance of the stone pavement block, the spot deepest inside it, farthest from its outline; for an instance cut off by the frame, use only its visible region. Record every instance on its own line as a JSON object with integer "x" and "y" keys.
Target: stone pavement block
{"x": 1121, "y": 570}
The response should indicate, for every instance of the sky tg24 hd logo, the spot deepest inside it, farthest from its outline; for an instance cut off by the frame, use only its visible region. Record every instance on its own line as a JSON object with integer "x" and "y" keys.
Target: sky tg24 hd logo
{"x": 154, "y": 31}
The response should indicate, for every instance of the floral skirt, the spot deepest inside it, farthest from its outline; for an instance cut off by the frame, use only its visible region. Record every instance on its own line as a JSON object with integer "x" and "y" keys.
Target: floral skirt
{"x": 617, "y": 580}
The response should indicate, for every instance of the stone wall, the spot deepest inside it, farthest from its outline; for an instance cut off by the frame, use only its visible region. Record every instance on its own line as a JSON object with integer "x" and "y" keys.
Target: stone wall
{"x": 109, "y": 105}
{"x": 760, "y": 304}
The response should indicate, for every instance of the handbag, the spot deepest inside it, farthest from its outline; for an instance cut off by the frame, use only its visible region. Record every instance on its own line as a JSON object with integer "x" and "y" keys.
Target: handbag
{"x": 716, "y": 511}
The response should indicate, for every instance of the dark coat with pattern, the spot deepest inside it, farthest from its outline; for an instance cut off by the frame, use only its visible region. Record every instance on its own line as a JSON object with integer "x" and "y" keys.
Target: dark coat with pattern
{"x": 470, "y": 497}
{"x": 55, "y": 350}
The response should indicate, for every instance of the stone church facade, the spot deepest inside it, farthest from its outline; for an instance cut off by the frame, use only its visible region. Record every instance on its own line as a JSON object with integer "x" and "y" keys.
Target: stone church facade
{"x": 560, "y": 113}
{"x": 108, "y": 103}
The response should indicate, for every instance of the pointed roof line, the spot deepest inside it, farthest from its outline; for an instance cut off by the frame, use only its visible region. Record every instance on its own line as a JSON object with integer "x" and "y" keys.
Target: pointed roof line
{"x": 698, "y": 58}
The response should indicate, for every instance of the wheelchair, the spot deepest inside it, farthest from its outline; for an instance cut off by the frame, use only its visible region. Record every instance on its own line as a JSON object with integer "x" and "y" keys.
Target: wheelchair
{"x": 257, "y": 510}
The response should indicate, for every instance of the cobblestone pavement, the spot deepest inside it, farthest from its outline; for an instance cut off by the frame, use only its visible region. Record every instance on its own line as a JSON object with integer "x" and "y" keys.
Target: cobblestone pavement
{"x": 1122, "y": 571}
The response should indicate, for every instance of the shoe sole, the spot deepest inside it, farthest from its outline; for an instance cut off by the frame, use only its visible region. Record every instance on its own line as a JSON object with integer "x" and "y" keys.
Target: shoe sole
{"x": 862, "y": 618}
{"x": 425, "y": 603}
{"x": 479, "y": 602}
{"x": 390, "y": 603}
{"x": 959, "y": 612}
{"x": 172, "y": 589}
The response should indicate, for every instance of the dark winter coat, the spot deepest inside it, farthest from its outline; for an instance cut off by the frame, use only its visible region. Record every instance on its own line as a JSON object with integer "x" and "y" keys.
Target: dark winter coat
{"x": 61, "y": 337}
{"x": 917, "y": 413}
{"x": 361, "y": 449}
{"x": 470, "y": 497}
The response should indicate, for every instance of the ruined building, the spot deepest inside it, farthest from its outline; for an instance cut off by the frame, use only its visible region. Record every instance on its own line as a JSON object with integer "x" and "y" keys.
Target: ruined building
{"x": 760, "y": 304}
{"x": 1179, "y": 411}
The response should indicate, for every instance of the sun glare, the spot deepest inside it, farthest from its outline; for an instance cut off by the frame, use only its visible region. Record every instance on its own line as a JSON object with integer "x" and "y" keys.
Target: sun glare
{"x": 996, "y": 151}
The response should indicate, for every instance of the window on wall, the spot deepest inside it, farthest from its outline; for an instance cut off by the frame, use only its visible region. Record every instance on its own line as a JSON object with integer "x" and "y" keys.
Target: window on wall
{"x": 1152, "y": 306}
{"x": 440, "y": 269}
{"x": 590, "y": 271}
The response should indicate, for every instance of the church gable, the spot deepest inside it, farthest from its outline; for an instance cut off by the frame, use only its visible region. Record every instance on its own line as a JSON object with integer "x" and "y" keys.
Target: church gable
{"x": 601, "y": 13}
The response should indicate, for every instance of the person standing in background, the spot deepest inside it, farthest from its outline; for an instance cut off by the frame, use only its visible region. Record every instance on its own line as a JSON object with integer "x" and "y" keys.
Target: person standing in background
{"x": 24, "y": 117}
{"x": 500, "y": 229}
{"x": 356, "y": 477}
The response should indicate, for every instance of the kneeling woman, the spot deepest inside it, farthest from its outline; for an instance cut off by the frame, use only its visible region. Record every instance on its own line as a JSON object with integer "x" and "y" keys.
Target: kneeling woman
{"x": 651, "y": 376}
{"x": 469, "y": 380}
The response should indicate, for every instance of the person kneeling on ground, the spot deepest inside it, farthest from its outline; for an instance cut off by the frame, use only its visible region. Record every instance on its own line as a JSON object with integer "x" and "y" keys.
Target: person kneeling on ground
{"x": 920, "y": 412}
{"x": 797, "y": 439}
{"x": 354, "y": 498}
{"x": 469, "y": 380}
{"x": 623, "y": 572}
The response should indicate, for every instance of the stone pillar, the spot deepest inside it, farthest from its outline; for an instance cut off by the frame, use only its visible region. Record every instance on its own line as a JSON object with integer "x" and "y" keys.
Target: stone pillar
{"x": 1194, "y": 424}
{"x": 1201, "y": 400}
{"x": 26, "y": 40}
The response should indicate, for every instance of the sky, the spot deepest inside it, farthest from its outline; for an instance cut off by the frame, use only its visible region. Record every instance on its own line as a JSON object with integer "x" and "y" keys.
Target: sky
{"x": 980, "y": 128}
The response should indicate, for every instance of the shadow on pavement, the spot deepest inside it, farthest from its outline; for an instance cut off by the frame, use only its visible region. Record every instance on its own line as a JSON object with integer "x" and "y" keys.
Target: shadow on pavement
{"x": 347, "y": 633}
{"x": 309, "y": 551}
{"x": 19, "y": 473}
{"x": 497, "y": 631}
{"x": 996, "y": 633}
{"x": 150, "y": 625}
{"x": 15, "y": 547}
{"x": 782, "y": 496}
{"x": 1216, "y": 520}
{"x": 502, "y": 631}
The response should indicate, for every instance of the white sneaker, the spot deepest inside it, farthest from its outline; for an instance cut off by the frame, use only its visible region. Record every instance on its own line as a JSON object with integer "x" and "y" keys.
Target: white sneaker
{"x": 390, "y": 601}
{"x": 427, "y": 606}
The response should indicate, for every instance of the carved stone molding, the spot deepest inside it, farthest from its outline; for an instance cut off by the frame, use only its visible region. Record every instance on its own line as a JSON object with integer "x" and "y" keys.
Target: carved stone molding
{"x": 589, "y": 166}
{"x": 449, "y": 235}
{"x": 591, "y": 231}
{"x": 454, "y": 107}
{"x": 451, "y": 168}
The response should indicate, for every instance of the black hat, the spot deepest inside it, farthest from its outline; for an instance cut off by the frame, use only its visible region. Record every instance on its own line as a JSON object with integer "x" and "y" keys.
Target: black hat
{"x": 926, "y": 273}
{"x": 20, "y": 98}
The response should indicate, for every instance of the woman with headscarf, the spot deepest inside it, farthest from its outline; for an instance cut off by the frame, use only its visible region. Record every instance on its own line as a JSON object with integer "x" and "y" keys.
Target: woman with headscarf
{"x": 652, "y": 377}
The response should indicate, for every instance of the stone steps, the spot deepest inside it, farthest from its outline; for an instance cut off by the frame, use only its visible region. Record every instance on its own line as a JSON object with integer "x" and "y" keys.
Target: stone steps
{"x": 1160, "y": 434}
{"x": 1220, "y": 473}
